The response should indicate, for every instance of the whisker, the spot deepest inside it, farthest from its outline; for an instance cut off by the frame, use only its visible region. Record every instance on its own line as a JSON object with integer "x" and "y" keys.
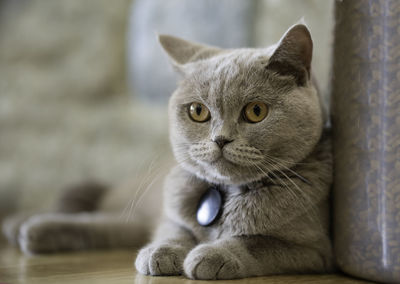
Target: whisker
{"x": 125, "y": 210}
{"x": 276, "y": 159}
{"x": 288, "y": 188}
{"x": 300, "y": 192}
{"x": 143, "y": 194}
{"x": 132, "y": 200}
{"x": 146, "y": 176}
{"x": 293, "y": 172}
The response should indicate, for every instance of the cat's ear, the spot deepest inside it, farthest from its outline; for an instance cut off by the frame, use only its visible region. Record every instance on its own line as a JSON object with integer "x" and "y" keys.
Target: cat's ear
{"x": 293, "y": 55}
{"x": 182, "y": 52}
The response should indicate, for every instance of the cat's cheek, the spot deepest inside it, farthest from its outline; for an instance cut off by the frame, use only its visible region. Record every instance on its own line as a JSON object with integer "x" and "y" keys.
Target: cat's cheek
{"x": 205, "y": 152}
{"x": 257, "y": 135}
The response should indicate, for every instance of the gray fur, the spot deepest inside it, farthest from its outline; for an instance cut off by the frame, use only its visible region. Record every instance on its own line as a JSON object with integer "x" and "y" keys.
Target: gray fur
{"x": 275, "y": 175}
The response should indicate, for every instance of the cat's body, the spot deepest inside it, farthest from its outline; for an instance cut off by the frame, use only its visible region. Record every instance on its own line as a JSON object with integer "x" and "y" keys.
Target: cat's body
{"x": 248, "y": 122}
{"x": 255, "y": 209}
{"x": 277, "y": 237}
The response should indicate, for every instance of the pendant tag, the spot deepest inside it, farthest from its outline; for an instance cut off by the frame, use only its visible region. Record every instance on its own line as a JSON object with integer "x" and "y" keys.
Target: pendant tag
{"x": 209, "y": 207}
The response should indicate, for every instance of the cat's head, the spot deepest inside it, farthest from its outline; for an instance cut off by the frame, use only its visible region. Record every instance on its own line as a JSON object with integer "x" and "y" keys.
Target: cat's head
{"x": 239, "y": 114}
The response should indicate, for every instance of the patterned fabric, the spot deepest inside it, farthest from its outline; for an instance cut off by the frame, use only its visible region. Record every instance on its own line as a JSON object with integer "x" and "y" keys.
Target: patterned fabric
{"x": 366, "y": 124}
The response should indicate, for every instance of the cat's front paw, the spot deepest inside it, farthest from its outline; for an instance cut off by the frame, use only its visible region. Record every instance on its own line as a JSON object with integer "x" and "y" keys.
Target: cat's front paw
{"x": 208, "y": 262}
{"x": 161, "y": 259}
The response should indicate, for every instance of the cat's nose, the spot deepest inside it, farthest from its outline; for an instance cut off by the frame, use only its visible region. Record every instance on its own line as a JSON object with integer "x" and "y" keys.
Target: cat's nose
{"x": 221, "y": 141}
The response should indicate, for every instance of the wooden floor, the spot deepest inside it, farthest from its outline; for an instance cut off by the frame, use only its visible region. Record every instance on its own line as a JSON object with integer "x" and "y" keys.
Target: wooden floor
{"x": 113, "y": 267}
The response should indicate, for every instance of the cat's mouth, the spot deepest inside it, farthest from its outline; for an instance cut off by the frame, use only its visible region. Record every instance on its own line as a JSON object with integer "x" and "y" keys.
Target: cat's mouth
{"x": 218, "y": 163}
{"x": 242, "y": 155}
{"x": 221, "y": 160}
{"x": 227, "y": 164}
{"x": 226, "y": 171}
{"x": 233, "y": 164}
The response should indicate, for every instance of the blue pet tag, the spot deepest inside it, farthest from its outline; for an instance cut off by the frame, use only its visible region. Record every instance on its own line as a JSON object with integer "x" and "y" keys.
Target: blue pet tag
{"x": 209, "y": 207}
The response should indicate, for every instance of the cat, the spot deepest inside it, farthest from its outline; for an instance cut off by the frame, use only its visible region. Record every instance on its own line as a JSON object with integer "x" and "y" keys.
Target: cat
{"x": 249, "y": 122}
{"x": 246, "y": 126}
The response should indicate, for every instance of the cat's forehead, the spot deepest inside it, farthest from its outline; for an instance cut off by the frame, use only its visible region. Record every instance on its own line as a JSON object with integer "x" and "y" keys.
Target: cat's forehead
{"x": 232, "y": 63}
{"x": 226, "y": 77}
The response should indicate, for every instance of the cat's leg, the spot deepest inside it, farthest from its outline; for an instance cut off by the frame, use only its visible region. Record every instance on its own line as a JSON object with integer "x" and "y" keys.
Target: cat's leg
{"x": 53, "y": 232}
{"x": 241, "y": 257}
{"x": 165, "y": 255}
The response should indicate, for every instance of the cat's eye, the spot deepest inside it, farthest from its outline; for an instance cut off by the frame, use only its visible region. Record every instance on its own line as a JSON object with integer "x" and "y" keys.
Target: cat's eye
{"x": 255, "y": 112}
{"x": 199, "y": 112}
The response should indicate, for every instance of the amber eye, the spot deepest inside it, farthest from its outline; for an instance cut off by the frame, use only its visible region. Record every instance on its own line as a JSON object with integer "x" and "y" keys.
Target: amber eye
{"x": 199, "y": 112}
{"x": 255, "y": 112}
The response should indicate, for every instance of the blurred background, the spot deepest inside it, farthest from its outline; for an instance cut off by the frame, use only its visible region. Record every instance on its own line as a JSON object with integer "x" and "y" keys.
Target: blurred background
{"x": 84, "y": 84}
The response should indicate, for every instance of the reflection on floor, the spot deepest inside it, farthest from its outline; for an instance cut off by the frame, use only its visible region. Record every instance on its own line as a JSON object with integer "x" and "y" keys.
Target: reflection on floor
{"x": 113, "y": 267}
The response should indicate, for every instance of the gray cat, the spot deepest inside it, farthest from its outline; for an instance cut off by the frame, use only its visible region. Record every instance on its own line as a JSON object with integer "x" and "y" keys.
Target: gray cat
{"x": 247, "y": 129}
{"x": 248, "y": 121}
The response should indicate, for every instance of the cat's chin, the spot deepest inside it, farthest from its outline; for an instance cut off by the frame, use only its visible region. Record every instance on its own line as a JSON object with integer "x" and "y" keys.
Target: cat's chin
{"x": 223, "y": 171}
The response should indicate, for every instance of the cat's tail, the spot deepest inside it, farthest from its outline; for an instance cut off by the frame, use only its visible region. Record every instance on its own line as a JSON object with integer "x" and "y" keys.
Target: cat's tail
{"x": 83, "y": 197}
